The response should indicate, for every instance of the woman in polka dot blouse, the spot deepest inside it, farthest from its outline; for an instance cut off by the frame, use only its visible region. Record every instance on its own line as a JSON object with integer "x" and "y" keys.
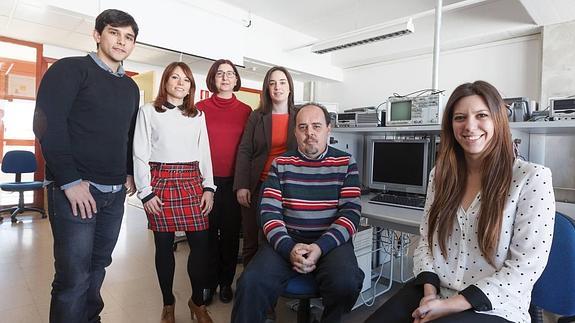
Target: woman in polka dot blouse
{"x": 488, "y": 223}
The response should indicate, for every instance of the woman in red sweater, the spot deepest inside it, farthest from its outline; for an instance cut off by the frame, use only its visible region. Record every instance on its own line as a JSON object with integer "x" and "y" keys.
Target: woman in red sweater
{"x": 226, "y": 117}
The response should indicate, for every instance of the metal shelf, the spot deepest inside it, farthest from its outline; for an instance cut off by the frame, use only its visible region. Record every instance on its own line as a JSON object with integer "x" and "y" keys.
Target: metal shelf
{"x": 545, "y": 127}
{"x": 537, "y": 127}
{"x": 403, "y": 130}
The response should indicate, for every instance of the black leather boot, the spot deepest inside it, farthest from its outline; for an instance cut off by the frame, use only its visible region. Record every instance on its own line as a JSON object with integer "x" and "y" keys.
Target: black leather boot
{"x": 209, "y": 295}
{"x": 226, "y": 293}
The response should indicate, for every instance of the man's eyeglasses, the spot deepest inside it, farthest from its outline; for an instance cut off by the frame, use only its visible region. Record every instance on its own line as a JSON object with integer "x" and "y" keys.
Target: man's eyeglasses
{"x": 228, "y": 74}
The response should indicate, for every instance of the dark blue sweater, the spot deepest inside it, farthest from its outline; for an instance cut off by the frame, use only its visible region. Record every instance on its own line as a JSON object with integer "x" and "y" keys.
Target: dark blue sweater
{"x": 85, "y": 119}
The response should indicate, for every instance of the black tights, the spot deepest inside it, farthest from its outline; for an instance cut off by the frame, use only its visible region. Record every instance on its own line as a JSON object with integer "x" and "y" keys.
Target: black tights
{"x": 197, "y": 264}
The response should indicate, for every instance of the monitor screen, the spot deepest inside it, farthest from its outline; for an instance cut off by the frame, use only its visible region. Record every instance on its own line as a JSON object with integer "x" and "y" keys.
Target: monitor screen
{"x": 346, "y": 116}
{"x": 398, "y": 165}
{"x": 400, "y": 110}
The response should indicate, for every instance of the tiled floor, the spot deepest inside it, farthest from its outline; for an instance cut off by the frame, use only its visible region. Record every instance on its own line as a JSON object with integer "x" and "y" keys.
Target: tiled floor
{"x": 130, "y": 289}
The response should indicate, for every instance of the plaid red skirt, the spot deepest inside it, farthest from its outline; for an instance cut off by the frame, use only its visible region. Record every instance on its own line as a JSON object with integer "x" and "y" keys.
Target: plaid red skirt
{"x": 179, "y": 186}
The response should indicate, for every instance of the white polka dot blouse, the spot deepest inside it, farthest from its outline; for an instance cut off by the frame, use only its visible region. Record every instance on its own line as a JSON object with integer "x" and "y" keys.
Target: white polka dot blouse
{"x": 524, "y": 244}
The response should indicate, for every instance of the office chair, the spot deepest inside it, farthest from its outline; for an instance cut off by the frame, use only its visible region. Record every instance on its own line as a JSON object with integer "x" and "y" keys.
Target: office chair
{"x": 18, "y": 162}
{"x": 555, "y": 289}
{"x": 303, "y": 288}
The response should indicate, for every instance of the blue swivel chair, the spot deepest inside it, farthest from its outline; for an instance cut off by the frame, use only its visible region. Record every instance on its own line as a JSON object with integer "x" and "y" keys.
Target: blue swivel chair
{"x": 18, "y": 162}
{"x": 304, "y": 288}
{"x": 555, "y": 289}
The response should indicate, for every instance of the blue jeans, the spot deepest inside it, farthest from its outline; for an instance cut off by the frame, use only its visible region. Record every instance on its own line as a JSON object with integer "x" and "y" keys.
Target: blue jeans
{"x": 338, "y": 276}
{"x": 82, "y": 250}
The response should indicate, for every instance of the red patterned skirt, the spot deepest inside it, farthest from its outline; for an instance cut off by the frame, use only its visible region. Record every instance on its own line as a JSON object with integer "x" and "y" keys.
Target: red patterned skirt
{"x": 179, "y": 186}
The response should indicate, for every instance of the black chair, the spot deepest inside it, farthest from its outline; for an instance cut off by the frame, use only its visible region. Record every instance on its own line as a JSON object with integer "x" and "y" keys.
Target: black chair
{"x": 18, "y": 162}
{"x": 554, "y": 291}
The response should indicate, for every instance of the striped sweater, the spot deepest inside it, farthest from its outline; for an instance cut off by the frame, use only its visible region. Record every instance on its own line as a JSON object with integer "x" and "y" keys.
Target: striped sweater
{"x": 311, "y": 201}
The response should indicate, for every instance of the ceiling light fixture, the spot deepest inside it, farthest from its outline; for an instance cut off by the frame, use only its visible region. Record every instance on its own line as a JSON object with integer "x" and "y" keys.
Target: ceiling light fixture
{"x": 363, "y": 37}
{"x": 254, "y": 65}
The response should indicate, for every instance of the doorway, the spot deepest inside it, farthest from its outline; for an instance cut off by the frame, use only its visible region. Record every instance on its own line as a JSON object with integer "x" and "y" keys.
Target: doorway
{"x": 20, "y": 71}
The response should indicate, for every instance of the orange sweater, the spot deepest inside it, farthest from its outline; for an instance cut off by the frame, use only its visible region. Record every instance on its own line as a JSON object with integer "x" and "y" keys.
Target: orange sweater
{"x": 279, "y": 141}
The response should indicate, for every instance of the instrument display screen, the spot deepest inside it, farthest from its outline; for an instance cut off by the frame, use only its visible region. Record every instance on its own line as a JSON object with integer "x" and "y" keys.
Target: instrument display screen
{"x": 400, "y": 110}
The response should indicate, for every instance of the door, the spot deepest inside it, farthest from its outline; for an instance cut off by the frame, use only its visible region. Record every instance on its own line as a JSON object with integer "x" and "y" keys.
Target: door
{"x": 20, "y": 67}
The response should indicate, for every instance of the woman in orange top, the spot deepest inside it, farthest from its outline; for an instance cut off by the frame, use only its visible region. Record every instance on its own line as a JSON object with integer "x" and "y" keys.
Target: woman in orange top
{"x": 269, "y": 133}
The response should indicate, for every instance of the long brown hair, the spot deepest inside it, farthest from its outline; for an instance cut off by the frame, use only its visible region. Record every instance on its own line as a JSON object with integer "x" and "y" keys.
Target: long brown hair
{"x": 266, "y": 104}
{"x": 451, "y": 173}
{"x": 189, "y": 108}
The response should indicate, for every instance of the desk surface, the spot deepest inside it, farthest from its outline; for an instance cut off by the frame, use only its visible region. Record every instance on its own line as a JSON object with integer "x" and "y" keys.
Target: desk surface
{"x": 408, "y": 220}
{"x": 391, "y": 217}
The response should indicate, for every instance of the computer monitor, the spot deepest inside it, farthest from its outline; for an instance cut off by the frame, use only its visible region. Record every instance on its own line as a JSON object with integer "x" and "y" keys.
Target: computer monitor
{"x": 398, "y": 165}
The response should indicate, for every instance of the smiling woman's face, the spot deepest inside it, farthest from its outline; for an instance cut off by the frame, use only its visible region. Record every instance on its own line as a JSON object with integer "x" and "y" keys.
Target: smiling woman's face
{"x": 472, "y": 125}
{"x": 278, "y": 87}
{"x": 178, "y": 84}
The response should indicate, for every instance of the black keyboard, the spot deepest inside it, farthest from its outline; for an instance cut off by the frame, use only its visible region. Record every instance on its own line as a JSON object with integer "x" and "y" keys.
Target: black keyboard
{"x": 411, "y": 202}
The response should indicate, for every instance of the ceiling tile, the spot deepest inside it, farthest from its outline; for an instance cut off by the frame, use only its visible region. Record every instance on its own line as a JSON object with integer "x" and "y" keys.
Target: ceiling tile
{"x": 327, "y": 18}
{"x": 46, "y": 16}
{"x": 6, "y": 7}
{"x": 25, "y": 30}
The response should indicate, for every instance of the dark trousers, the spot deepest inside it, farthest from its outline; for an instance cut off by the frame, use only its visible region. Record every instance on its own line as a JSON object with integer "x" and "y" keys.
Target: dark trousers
{"x": 264, "y": 279}
{"x": 399, "y": 307}
{"x": 250, "y": 227}
{"x": 82, "y": 250}
{"x": 197, "y": 264}
{"x": 225, "y": 222}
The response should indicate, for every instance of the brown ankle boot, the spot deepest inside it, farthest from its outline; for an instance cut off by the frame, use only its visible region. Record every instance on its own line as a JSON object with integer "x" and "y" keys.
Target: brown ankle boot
{"x": 201, "y": 312}
{"x": 168, "y": 314}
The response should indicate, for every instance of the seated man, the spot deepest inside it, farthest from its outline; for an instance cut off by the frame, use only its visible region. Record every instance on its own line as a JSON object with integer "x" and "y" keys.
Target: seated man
{"x": 309, "y": 211}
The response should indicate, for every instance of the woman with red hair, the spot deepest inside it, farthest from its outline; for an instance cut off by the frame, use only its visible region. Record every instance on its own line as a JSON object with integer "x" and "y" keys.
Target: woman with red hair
{"x": 173, "y": 176}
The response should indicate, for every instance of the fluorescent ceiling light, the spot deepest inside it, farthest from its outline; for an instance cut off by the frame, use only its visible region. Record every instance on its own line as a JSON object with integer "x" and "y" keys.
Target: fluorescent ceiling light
{"x": 256, "y": 65}
{"x": 363, "y": 37}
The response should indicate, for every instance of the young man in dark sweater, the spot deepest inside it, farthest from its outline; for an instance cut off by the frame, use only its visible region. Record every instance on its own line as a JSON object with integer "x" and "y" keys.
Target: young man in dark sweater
{"x": 84, "y": 120}
{"x": 309, "y": 211}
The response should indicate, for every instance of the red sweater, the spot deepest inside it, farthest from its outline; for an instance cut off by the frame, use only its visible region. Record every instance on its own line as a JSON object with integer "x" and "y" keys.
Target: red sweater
{"x": 225, "y": 119}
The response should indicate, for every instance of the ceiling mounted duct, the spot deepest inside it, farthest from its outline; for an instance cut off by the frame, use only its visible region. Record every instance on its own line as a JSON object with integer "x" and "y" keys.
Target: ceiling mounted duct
{"x": 363, "y": 37}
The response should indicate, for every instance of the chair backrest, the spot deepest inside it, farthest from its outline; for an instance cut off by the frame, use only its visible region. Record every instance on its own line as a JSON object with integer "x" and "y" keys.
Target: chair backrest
{"x": 555, "y": 289}
{"x": 19, "y": 161}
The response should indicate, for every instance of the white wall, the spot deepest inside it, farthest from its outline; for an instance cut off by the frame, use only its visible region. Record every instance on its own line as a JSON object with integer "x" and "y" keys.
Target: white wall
{"x": 558, "y": 77}
{"x": 57, "y": 52}
{"x": 557, "y": 80}
{"x": 513, "y": 66}
{"x": 187, "y": 27}
{"x": 196, "y": 27}
{"x": 270, "y": 42}
{"x": 471, "y": 25}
